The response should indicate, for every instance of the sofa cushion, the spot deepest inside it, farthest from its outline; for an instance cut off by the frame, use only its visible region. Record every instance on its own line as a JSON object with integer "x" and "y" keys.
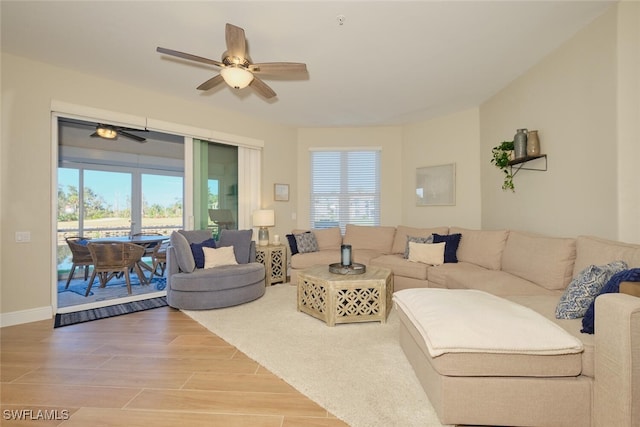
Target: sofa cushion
{"x": 402, "y": 232}
{"x": 241, "y": 242}
{"x": 437, "y": 275}
{"x": 596, "y": 251}
{"x": 547, "y": 261}
{"x": 198, "y": 254}
{"x": 306, "y": 243}
{"x": 401, "y": 266}
{"x": 328, "y": 238}
{"x": 492, "y": 364}
{"x": 416, "y": 239}
{"x": 451, "y": 247}
{"x": 182, "y": 249}
{"x": 310, "y": 259}
{"x": 546, "y": 305}
{"x": 427, "y": 253}
{"x": 216, "y": 257}
{"x": 376, "y": 238}
{"x": 482, "y": 247}
{"x": 495, "y": 282}
{"x": 584, "y": 288}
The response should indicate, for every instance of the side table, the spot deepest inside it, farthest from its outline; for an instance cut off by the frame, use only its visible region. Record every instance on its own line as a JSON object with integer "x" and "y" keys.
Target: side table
{"x": 274, "y": 259}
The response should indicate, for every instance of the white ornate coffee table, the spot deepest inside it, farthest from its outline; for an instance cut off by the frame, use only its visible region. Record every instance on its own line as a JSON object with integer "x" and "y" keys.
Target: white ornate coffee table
{"x": 337, "y": 298}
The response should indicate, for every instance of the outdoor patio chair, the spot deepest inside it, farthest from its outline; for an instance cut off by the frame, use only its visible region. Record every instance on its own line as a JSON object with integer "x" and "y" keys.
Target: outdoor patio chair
{"x": 159, "y": 258}
{"x": 80, "y": 256}
{"x": 113, "y": 258}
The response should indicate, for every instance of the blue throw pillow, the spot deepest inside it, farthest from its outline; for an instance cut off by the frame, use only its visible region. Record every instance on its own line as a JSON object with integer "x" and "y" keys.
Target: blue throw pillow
{"x": 198, "y": 253}
{"x": 451, "y": 242}
{"x": 612, "y": 286}
{"x": 293, "y": 245}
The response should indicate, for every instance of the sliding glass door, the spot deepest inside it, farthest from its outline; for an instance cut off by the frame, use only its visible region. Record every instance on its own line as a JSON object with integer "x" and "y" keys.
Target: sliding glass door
{"x": 215, "y": 186}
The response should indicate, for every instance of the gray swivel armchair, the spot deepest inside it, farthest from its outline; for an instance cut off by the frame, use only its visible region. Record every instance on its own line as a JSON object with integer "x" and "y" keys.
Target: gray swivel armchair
{"x": 192, "y": 288}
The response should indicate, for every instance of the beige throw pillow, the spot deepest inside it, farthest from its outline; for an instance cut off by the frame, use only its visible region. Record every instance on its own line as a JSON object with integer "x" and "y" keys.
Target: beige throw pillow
{"x": 215, "y": 257}
{"x": 427, "y": 253}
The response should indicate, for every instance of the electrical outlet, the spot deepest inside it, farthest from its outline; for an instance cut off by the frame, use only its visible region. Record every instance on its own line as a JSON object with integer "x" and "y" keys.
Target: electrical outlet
{"x": 23, "y": 236}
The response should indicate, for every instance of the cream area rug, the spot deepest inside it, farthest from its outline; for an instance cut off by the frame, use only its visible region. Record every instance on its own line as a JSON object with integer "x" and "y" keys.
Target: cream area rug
{"x": 356, "y": 371}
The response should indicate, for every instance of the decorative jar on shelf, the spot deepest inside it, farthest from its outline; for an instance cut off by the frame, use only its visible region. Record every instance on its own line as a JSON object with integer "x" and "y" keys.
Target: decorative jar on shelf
{"x": 533, "y": 143}
{"x": 520, "y": 143}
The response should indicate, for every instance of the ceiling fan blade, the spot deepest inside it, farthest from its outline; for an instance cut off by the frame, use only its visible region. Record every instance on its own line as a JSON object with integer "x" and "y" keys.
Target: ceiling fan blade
{"x": 212, "y": 82}
{"x": 236, "y": 42}
{"x": 131, "y": 136}
{"x": 278, "y": 67}
{"x": 262, "y": 88}
{"x": 189, "y": 56}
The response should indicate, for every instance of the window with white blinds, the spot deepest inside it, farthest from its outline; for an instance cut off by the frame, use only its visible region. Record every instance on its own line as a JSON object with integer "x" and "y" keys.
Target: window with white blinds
{"x": 345, "y": 188}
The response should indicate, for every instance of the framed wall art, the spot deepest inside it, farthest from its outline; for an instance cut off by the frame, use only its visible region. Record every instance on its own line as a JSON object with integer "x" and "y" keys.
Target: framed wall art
{"x": 281, "y": 192}
{"x": 436, "y": 185}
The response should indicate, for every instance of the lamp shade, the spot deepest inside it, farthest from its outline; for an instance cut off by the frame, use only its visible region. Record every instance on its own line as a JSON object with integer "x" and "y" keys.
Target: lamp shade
{"x": 264, "y": 218}
{"x": 236, "y": 77}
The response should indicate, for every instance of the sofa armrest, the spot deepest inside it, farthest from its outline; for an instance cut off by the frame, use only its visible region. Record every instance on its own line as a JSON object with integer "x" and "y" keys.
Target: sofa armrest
{"x": 617, "y": 361}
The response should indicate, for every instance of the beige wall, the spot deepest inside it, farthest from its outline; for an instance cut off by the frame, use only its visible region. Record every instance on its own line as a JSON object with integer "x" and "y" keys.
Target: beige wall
{"x": 26, "y": 162}
{"x": 450, "y": 139}
{"x": 570, "y": 98}
{"x": 388, "y": 138}
{"x": 628, "y": 121}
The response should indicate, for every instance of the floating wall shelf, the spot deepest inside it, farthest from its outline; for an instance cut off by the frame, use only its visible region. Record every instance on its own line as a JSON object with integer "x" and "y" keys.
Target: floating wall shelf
{"x": 518, "y": 164}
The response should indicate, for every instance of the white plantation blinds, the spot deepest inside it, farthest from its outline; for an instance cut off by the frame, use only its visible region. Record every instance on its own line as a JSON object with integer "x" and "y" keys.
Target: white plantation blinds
{"x": 345, "y": 188}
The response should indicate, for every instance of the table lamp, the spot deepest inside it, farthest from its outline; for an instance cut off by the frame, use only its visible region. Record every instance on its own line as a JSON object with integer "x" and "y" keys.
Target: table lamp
{"x": 264, "y": 218}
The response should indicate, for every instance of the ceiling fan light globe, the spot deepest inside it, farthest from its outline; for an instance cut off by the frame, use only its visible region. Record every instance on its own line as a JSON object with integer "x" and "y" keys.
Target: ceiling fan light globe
{"x": 106, "y": 132}
{"x": 236, "y": 77}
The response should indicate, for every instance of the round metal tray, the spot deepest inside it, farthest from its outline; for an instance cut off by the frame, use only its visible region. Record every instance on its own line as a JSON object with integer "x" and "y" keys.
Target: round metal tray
{"x": 354, "y": 268}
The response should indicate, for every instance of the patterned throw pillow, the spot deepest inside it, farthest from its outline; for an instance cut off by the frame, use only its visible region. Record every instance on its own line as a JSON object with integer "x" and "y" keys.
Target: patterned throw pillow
{"x": 306, "y": 242}
{"x": 415, "y": 239}
{"x": 584, "y": 288}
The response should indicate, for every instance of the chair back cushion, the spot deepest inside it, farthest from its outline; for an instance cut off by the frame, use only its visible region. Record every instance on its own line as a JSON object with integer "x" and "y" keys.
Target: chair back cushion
{"x": 182, "y": 249}
{"x": 241, "y": 242}
{"x": 196, "y": 236}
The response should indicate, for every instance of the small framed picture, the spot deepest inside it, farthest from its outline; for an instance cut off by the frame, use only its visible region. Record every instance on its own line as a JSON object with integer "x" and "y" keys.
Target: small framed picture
{"x": 281, "y": 192}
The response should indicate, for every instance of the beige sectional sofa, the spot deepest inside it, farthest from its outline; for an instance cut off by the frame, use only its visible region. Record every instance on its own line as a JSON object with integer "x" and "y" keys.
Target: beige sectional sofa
{"x": 601, "y": 387}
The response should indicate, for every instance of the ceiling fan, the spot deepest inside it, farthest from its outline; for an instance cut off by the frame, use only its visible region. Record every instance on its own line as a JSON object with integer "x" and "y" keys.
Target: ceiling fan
{"x": 237, "y": 69}
{"x": 113, "y": 132}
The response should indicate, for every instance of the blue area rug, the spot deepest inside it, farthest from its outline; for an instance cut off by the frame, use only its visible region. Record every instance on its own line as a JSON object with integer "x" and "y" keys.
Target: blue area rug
{"x": 116, "y": 288}
{"x": 66, "y": 319}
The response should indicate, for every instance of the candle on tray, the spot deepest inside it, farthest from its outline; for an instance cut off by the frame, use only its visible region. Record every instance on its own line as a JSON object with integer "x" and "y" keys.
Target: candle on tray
{"x": 346, "y": 255}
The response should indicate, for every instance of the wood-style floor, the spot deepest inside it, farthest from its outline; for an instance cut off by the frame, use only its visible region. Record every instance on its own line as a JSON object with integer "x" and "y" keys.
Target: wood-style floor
{"x": 153, "y": 368}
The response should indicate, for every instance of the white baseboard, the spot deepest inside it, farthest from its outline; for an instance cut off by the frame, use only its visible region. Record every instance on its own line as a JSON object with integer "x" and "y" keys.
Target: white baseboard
{"x": 26, "y": 316}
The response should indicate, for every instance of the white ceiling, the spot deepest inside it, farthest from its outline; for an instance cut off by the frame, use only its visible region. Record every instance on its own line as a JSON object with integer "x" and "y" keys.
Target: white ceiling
{"x": 389, "y": 63}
